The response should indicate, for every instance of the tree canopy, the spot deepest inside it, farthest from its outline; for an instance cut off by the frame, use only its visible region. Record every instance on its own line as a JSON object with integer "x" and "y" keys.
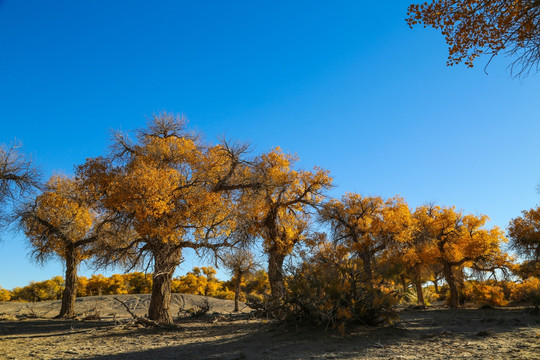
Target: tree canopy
{"x": 475, "y": 27}
{"x": 18, "y": 177}
{"x": 172, "y": 191}
{"x": 524, "y": 234}
{"x": 62, "y": 221}
{"x": 277, "y": 210}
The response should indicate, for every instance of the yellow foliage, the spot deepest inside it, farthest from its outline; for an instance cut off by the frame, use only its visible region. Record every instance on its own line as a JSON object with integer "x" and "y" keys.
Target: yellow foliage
{"x": 489, "y": 294}
{"x": 5, "y": 295}
{"x": 82, "y": 284}
{"x": 199, "y": 281}
{"x": 166, "y": 184}
{"x": 59, "y": 219}
{"x": 327, "y": 288}
{"x": 528, "y": 290}
{"x": 139, "y": 283}
{"x": 369, "y": 227}
{"x": 40, "y": 291}
{"x": 473, "y": 27}
{"x": 278, "y": 211}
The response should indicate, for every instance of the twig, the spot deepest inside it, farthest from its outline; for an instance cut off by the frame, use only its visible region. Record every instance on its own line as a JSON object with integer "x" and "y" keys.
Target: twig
{"x": 32, "y": 310}
{"x": 138, "y": 319}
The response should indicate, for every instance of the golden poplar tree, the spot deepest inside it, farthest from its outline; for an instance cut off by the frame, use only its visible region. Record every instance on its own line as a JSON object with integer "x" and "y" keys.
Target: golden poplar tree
{"x": 277, "y": 209}
{"x": 240, "y": 263}
{"x": 63, "y": 222}
{"x": 173, "y": 192}
{"x": 457, "y": 241}
{"x": 366, "y": 226}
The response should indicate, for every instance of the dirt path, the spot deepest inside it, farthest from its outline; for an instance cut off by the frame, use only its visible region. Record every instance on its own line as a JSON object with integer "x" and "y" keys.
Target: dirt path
{"x": 510, "y": 333}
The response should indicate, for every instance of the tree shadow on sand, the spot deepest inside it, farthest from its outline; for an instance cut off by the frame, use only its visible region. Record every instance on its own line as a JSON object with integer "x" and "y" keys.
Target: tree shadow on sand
{"x": 256, "y": 341}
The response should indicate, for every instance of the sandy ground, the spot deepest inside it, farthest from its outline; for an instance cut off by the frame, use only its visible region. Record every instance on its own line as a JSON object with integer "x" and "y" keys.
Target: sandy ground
{"x": 435, "y": 333}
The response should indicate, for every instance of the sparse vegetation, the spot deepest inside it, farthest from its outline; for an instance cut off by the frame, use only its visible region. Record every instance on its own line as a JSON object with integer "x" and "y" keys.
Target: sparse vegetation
{"x": 165, "y": 191}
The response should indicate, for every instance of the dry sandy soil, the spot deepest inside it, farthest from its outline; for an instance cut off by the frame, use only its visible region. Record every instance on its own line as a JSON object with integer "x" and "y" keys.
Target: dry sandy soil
{"x": 435, "y": 333}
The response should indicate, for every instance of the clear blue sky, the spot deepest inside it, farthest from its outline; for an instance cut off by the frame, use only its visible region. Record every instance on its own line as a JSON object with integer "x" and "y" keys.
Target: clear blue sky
{"x": 346, "y": 85}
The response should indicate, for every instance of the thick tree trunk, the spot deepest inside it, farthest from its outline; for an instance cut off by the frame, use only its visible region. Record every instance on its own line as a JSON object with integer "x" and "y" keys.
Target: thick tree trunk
{"x": 237, "y": 282}
{"x": 366, "y": 261}
{"x": 70, "y": 291}
{"x": 419, "y": 293}
{"x": 275, "y": 275}
{"x": 450, "y": 279}
{"x": 418, "y": 286}
{"x": 166, "y": 259}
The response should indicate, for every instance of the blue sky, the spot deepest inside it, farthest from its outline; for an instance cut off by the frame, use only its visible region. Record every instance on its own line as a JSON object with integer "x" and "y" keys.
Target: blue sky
{"x": 346, "y": 85}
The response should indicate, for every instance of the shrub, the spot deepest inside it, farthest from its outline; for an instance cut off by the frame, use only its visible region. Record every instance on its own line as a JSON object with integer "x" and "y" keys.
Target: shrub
{"x": 40, "y": 291}
{"x": 527, "y": 291}
{"x": 488, "y": 294}
{"x": 327, "y": 290}
{"x": 5, "y": 295}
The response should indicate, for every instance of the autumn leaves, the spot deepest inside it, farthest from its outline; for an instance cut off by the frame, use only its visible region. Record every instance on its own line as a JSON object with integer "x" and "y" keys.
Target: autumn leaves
{"x": 386, "y": 233}
{"x": 165, "y": 190}
{"x": 473, "y": 27}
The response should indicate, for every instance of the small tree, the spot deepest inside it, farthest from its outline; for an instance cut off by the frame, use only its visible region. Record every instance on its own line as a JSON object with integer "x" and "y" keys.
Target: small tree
{"x": 278, "y": 209}
{"x": 62, "y": 222}
{"x": 457, "y": 241}
{"x": 240, "y": 263}
{"x": 366, "y": 225}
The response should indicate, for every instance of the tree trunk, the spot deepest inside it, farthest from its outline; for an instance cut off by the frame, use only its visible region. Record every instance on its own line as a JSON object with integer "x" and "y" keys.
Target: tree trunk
{"x": 450, "y": 279}
{"x": 403, "y": 282}
{"x": 70, "y": 291}
{"x": 436, "y": 285}
{"x": 166, "y": 259}
{"x": 419, "y": 293}
{"x": 418, "y": 286}
{"x": 237, "y": 282}
{"x": 366, "y": 261}
{"x": 275, "y": 275}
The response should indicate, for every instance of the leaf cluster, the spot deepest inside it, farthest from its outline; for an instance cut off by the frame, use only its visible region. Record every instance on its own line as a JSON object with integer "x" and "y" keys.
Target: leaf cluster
{"x": 475, "y": 27}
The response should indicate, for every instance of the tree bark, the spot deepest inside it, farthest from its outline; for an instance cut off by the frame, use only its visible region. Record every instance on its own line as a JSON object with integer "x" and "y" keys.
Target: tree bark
{"x": 275, "y": 275}
{"x": 166, "y": 259}
{"x": 237, "y": 281}
{"x": 418, "y": 286}
{"x": 419, "y": 293}
{"x": 70, "y": 291}
{"x": 366, "y": 262}
{"x": 450, "y": 279}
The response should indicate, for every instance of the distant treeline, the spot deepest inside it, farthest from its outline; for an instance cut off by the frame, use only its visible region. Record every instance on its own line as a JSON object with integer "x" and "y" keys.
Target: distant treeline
{"x": 202, "y": 281}
{"x": 199, "y": 281}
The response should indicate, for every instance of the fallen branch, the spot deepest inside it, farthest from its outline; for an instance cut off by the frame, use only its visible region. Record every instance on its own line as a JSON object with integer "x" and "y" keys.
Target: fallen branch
{"x": 34, "y": 315}
{"x": 141, "y": 320}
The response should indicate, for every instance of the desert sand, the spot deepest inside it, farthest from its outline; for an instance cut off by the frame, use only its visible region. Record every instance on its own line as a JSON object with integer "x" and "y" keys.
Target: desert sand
{"x": 105, "y": 330}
